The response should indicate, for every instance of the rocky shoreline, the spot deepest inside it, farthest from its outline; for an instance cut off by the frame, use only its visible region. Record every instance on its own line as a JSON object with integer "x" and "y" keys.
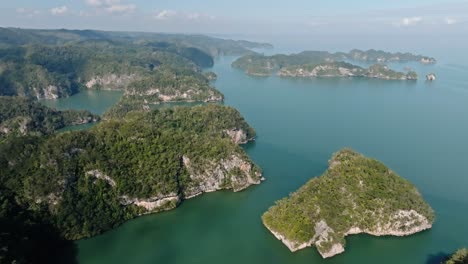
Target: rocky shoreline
{"x": 338, "y": 248}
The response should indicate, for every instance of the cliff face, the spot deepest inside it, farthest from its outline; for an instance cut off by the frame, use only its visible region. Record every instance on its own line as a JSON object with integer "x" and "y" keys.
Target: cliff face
{"x": 233, "y": 173}
{"x": 325, "y": 70}
{"x": 190, "y": 95}
{"x": 348, "y": 199}
{"x": 111, "y": 81}
{"x": 345, "y": 70}
{"x": 238, "y": 136}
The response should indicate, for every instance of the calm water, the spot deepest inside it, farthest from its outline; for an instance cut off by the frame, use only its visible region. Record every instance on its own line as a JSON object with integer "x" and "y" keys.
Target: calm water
{"x": 419, "y": 129}
{"x": 95, "y": 101}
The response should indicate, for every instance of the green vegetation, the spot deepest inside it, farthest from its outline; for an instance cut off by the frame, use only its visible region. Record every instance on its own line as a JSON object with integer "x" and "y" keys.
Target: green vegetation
{"x": 58, "y": 63}
{"x": 459, "y": 257}
{"x": 56, "y": 187}
{"x": 58, "y": 177}
{"x": 167, "y": 85}
{"x": 321, "y": 64}
{"x": 58, "y": 71}
{"x": 355, "y": 192}
{"x": 209, "y": 45}
{"x": 380, "y": 56}
{"x": 20, "y": 116}
{"x": 211, "y": 76}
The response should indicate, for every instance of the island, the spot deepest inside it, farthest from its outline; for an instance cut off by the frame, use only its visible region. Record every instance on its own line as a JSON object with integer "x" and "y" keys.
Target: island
{"x": 24, "y": 116}
{"x": 325, "y": 64}
{"x": 355, "y": 195}
{"x": 459, "y": 257}
{"x": 431, "y": 77}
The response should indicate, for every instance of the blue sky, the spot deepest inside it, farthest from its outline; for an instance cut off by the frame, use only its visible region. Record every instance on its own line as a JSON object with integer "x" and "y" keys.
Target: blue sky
{"x": 294, "y": 17}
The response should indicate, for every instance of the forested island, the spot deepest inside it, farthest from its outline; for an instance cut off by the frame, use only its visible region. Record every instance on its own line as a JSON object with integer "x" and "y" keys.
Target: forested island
{"x": 325, "y": 64}
{"x": 355, "y": 195}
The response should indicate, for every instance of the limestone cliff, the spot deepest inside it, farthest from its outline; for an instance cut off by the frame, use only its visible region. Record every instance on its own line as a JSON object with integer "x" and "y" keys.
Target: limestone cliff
{"x": 111, "y": 81}
{"x": 341, "y": 69}
{"x": 235, "y": 173}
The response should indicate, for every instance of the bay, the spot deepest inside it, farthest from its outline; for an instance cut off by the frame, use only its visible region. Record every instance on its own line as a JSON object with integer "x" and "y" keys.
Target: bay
{"x": 416, "y": 128}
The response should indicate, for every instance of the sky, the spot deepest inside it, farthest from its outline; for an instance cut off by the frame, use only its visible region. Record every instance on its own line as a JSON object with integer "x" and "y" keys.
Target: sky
{"x": 329, "y": 18}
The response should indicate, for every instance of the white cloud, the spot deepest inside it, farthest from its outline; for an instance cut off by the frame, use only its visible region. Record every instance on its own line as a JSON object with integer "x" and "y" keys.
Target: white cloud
{"x": 56, "y": 11}
{"x": 165, "y": 14}
{"x": 95, "y": 3}
{"x": 118, "y": 8}
{"x": 110, "y": 6}
{"x": 27, "y": 11}
{"x": 21, "y": 10}
{"x": 172, "y": 14}
{"x": 194, "y": 16}
{"x": 409, "y": 21}
{"x": 450, "y": 21}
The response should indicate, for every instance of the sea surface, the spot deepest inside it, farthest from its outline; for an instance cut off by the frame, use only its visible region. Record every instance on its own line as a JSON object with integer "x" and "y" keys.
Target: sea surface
{"x": 419, "y": 129}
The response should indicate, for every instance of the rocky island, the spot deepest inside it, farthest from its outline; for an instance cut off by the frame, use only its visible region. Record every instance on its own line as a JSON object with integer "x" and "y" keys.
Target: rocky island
{"x": 431, "y": 77}
{"x": 325, "y": 64}
{"x": 355, "y": 195}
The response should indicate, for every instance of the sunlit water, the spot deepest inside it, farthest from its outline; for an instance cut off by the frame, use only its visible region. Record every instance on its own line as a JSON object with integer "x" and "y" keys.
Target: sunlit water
{"x": 418, "y": 129}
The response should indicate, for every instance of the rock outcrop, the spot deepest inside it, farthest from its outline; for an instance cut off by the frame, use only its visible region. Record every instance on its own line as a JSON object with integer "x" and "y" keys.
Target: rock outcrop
{"x": 233, "y": 173}
{"x": 431, "y": 77}
{"x": 99, "y": 175}
{"x": 238, "y": 136}
{"x": 153, "y": 204}
{"x": 111, "y": 81}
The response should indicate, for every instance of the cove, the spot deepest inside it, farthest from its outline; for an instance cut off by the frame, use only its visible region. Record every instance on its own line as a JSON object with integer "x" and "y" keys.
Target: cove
{"x": 417, "y": 128}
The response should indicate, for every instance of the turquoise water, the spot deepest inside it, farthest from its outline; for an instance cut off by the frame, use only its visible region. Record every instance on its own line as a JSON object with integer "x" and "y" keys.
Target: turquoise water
{"x": 95, "y": 101}
{"x": 418, "y": 129}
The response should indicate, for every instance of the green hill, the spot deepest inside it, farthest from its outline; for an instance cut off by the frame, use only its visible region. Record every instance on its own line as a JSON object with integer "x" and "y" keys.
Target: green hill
{"x": 355, "y": 195}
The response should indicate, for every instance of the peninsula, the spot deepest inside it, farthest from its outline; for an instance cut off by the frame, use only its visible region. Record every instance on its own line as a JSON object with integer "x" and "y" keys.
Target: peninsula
{"x": 86, "y": 182}
{"x": 355, "y": 195}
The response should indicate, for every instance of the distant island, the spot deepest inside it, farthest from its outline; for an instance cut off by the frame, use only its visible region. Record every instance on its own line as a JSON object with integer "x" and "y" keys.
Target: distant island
{"x": 355, "y": 195}
{"x": 325, "y": 64}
